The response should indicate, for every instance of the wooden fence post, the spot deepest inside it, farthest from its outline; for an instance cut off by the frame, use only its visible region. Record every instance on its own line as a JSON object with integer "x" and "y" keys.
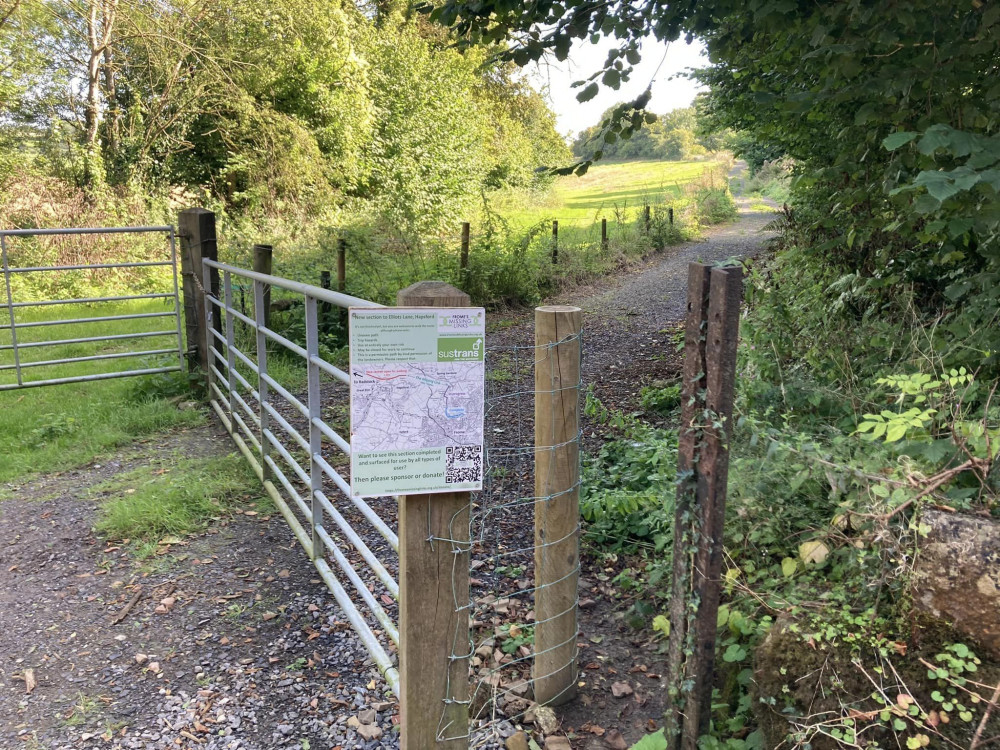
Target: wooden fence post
{"x": 433, "y": 595}
{"x": 196, "y": 230}
{"x": 324, "y": 307}
{"x": 670, "y": 215}
{"x": 463, "y": 258}
{"x": 555, "y": 241}
{"x": 262, "y": 263}
{"x": 711, "y": 336}
{"x": 647, "y": 217}
{"x": 557, "y": 501}
{"x": 342, "y": 277}
{"x": 604, "y": 235}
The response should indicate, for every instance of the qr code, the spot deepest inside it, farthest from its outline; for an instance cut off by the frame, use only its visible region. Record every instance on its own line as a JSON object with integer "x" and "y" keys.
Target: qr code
{"x": 463, "y": 463}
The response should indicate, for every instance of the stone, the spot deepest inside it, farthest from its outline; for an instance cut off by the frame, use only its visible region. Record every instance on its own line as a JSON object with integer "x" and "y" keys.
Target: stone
{"x": 620, "y": 689}
{"x": 546, "y": 719}
{"x": 557, "y": 743}
{"x": 615, "y": 741}
{"x": 957, "y": 576}
{"x": 517, "y": 741}
{"x": 367, "y": 716}
{"x": 370, "y": 732}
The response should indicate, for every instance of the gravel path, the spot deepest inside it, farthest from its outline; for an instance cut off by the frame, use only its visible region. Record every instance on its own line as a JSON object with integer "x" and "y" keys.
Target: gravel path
{"x": 252, "y": 654}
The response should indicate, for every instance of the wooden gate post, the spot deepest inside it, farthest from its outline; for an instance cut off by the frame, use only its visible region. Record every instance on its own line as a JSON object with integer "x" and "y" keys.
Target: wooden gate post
{"x": 710, "y": 341}
{"x": 196, "y": 231}
{"x": 557, "y": 501}
{"x": 463, "y": 258}
{"x": 434, "y": 640}
{"x": 262, "y": 259}
{"x": 342, "y": 277}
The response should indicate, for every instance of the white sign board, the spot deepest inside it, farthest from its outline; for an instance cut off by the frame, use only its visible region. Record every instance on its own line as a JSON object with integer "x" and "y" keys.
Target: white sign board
{"x": 417, "y": 400}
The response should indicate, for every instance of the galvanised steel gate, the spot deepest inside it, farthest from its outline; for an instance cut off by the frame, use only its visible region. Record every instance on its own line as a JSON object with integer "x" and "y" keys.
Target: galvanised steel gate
{"x": 23, "y": 351}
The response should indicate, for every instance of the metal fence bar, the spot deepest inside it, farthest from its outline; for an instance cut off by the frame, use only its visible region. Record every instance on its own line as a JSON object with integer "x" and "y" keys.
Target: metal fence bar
{"x": 313, "y": 403}
{"x": 82, "y": 230}
{"x": 288, "y": 488}
{"x": 336, "y": 439}
{"x": 261, "y": 392}
{"x": 89, "y": 300}
{"x": 359, "y": 503}
{"x": 177, "y": 297}
{"x": 359, "y": 544}
{"x": 227, "y": 285}
{"x": 88, "y": 339}
{"x": 90, "y": 266}
{"x": 70, "y": 360}
{"x": 72, "y": 321}
{"x": 88, "y": 378}
{"x": 323, "y": 295}
{"x": 10, "y": 308}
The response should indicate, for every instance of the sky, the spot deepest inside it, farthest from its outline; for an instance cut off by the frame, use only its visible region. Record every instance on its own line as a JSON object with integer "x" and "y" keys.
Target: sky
{"x": 669, "y": 90}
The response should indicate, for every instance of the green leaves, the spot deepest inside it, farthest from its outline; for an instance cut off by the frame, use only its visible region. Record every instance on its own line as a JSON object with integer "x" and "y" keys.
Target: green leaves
{"x": 898, "y": 140}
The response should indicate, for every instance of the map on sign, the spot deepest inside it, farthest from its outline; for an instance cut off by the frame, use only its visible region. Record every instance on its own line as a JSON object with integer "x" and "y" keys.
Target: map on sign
{"x": 417, "y": 399}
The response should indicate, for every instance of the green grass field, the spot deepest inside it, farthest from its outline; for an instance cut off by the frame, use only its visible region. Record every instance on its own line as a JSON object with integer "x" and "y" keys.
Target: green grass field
{"x": 580, "y": 202}
{"x": 56, "y": 427}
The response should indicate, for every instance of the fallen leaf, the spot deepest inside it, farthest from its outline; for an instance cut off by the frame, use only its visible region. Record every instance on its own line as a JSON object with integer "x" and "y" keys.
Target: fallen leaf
{"x": 813, "y": 552}
{"x": 29, "y": 680}
{"x": 621, "y": 689}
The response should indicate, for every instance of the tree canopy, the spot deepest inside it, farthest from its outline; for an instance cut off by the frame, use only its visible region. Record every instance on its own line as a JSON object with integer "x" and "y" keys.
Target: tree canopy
{"x": 276, "y": 106}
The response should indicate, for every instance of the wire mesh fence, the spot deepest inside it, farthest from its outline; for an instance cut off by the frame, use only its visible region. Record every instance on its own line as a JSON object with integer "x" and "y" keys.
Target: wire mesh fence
{"x": 513, "y": 658}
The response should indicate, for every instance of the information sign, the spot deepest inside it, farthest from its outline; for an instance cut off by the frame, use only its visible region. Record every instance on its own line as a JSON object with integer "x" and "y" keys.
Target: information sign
{"x": 417, "y": 399}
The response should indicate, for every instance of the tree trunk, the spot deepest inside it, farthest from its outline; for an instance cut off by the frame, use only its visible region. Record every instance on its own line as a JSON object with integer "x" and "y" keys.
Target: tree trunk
{"x": 110, "y": 8}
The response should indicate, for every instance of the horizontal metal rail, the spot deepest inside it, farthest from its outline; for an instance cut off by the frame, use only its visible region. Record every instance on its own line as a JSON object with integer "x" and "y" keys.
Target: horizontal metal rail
{"x": 88, "y": 339}
{"x": 89, "y": 378}
{"x": 84, "y": 230}
{"x": 287, "y": 454}
{"x": 91, "y": 300}
{"x": 73, "y": 321}
{"x": 319, "y": 293}
{"x": 94, "y": 358}
{"x": 89, "y": 266}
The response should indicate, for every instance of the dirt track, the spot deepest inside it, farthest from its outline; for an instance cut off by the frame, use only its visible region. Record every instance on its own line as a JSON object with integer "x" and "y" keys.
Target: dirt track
{"x": 253, "y": 654}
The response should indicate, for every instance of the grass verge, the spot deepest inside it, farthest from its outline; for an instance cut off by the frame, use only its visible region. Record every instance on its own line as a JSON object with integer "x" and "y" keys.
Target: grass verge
{"x": 174, "y": 496}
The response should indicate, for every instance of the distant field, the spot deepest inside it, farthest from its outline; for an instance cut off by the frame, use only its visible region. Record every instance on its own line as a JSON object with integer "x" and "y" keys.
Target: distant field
{"x": 581, "y": 201}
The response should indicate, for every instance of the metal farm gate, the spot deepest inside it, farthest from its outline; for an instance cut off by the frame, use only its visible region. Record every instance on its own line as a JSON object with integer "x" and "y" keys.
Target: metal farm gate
{"x": 27, "y": 336}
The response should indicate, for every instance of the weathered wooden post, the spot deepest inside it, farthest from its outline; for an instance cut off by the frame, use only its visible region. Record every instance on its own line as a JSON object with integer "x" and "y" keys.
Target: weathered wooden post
{"x": 646, "y": 217}
{"x": 463, "y": 258}
{"x": 710, "y": 340}
{"x": 555, "y": 241}
{"x": 196, "y": 230}
{"x": 324, "y": 307}
{"x": 604, "y": 235}
{"x": 670, "y": 215}
{"x": 434, "y": 547}
{"x": 342, "y": 277}
{"x": 557, "y": 501}
{"x": 262, "y": 259}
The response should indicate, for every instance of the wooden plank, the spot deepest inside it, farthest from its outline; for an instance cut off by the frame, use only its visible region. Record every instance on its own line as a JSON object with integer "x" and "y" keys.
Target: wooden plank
{"x": 434, "y": 646}
{"x": 557, "y": 504}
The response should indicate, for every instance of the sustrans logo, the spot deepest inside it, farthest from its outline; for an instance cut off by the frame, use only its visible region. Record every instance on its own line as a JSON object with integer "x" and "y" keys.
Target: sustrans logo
{"x": 460, "y": 349}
